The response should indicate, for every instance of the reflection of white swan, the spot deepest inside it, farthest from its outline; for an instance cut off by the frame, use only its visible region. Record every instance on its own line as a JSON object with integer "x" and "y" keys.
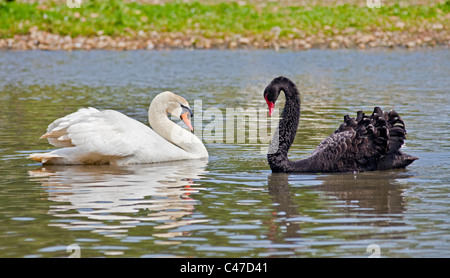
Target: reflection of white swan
{"x": 128, "y": 195}
{"x": 90, "y": 136}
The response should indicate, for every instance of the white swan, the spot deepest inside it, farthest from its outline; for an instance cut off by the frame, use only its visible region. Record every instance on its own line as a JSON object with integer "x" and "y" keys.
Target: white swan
{"x": 90, "y": 136}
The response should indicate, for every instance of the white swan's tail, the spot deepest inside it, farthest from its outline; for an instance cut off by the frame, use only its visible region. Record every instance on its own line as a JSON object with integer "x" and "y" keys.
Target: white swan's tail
{"x": 45, "y": 158}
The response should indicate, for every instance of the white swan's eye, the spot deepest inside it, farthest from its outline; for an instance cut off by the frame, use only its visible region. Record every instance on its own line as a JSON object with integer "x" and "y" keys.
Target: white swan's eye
{"x": 185, "y": 109}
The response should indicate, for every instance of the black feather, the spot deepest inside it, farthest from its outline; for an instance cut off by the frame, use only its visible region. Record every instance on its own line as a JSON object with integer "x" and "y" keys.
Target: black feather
{"x": 363, "y": 143}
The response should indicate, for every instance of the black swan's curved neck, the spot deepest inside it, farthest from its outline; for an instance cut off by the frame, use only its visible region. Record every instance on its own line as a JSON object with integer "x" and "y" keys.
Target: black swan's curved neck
{"x": 287, "y": 127}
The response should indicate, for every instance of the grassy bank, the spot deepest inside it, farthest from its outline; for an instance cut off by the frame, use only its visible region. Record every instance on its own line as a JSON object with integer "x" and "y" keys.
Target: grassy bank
{"x": 249, "y": 23}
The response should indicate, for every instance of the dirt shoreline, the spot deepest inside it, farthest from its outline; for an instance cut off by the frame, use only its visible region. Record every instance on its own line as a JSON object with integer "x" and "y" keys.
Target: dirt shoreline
{"x": 37, "y": 39}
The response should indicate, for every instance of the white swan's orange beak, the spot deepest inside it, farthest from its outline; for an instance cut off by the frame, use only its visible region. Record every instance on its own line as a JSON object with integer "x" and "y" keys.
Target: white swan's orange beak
{"x": 186, "y": 119}
{"x": 271, "y": 105}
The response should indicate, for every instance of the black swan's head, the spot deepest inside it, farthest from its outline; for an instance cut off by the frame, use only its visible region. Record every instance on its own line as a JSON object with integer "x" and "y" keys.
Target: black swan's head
{"x": 273, "y": 90}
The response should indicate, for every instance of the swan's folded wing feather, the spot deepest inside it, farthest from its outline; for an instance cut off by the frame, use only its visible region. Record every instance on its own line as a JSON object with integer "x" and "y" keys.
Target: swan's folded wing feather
{"x": 57, "y": 134}
{"x": 397, "y": 130}
{"x": 108, "y": 132}
{"x": 335, "y": 146}
{"x": 357, "y": 143}
{"x": 345, "y": 151}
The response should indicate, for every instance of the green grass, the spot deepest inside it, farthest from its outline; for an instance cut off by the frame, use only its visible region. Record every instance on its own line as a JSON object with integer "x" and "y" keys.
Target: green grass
{"x": 117, "y": 18}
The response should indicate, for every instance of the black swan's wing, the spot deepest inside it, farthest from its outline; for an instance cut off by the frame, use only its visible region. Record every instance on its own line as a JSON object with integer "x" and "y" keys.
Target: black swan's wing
{"x": 361, "y": 144}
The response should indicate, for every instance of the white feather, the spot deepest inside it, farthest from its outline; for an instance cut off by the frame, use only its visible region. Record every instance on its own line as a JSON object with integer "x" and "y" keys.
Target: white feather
{"x": 90, "y": 136}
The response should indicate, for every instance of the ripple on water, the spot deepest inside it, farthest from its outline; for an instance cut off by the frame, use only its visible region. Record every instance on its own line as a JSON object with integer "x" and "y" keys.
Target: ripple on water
{"x": 233, "y": 205}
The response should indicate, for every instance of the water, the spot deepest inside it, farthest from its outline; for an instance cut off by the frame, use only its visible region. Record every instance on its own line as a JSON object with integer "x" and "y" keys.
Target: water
{"x": 231, "y": 205}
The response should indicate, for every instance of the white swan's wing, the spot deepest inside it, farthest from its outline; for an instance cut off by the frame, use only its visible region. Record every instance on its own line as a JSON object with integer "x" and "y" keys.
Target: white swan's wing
{"x": 103, "y": 132}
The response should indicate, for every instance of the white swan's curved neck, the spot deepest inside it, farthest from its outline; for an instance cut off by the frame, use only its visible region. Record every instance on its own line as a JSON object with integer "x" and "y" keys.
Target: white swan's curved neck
{"x": 174, "y": 133}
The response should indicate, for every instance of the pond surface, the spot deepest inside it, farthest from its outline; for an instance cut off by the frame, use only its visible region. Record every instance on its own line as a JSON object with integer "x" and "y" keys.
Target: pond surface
{"x": 231, "y": 205}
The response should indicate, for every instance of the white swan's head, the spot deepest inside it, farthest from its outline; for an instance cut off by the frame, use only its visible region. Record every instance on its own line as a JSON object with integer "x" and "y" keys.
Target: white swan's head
{"x": 175, "y": 105}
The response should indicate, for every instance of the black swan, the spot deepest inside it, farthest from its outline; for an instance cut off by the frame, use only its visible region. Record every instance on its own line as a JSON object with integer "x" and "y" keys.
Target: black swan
{"x": 361, "y": 144}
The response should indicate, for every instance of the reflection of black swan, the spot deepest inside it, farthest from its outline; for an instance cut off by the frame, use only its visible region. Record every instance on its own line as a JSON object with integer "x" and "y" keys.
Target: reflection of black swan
{"x": 361, "y": 144}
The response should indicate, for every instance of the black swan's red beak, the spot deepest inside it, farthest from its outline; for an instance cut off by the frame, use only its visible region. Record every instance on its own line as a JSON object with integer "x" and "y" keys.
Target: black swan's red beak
{"x": 270, "y": 105}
